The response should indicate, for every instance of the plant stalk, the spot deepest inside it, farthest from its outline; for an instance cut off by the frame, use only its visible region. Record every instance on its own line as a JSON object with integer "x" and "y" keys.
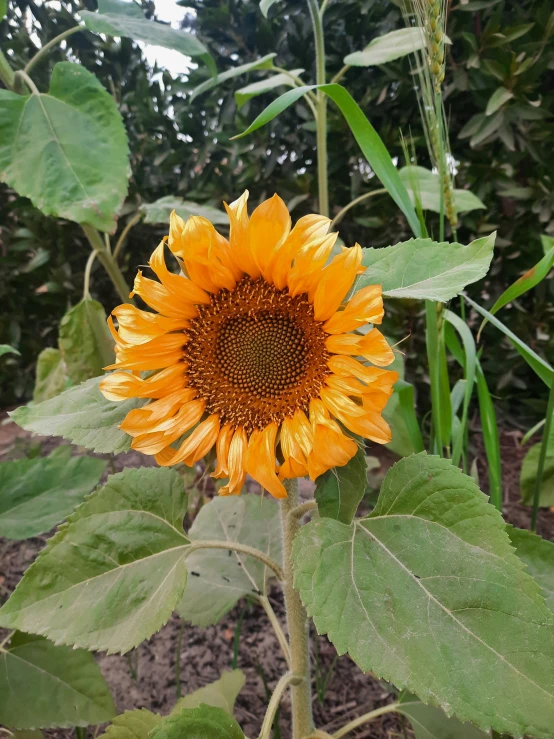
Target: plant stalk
{"x": 274, "y": 621}
{"x": 321, "y": 109}
{"x": 287, "y": 679}
{"x": 302, "y": 721}
{"x": 54, "y": 42}
{"x": 542, "y": 457}
{"x": 340, "y": 215}
{"x": 6, "y": 72}
{"x": 107, "y": 261}
{"x": 364, "y": 719}
{"x": 235, "y": 546}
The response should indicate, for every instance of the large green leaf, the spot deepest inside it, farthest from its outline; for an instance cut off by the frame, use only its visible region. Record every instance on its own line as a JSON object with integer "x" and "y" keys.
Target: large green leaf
{"x": 426, "y": 269}
{"x": 36, "y": 494}
{"x": 538, "y": 555}
{"x": 42, "y": 685}
{"x": 528, "y": 475}
{"x": 85, "y": 341}
{"x": 66, "y": 150}
{"x": 217, "y": 578}
{"x": 81, "y": 415}
{"x": 265, "y": 62}
{"x": 221, "y": 693}
{"x": 159, "y": 211}
{"x": 388, "y": 47}
{"x": 430, "y": 722}
{"x": 122, "y": 18}
{"x": 400, "y": 414}
{"x": 135, "y": 724}
{"x": 338, "y": 492}
{"x": 114, "y": 573}
{"x": 367, "y": 137}
{"x": 204, "y": 722}
{"x": 51, "y": 378}
{"x": 245, "y": 94}
{"x": 425, "y": 185}
{"x": 427, "y": 593}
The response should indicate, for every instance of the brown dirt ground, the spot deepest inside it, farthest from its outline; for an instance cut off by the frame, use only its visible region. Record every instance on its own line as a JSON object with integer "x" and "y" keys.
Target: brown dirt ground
{"x": 205, "y": 653}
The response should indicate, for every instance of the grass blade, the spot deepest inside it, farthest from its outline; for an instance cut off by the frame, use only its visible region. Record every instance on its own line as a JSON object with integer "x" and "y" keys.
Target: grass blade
{"x": 542, "y": 457}
{"x": 490, "y": 438}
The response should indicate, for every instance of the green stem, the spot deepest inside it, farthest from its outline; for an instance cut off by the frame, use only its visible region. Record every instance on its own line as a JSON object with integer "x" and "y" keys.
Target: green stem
{"x": 542, "y": 457}
{"x": 54, "y": 42}
{"x": 81, "y": 732}
{"x": 442, "y": 168}
{"x": 279, "y": 633}
{"x": 288, "y": 679}
{"x": 107, "y": 261}
{"x": 340, "y": 215}
{"x": 88, "y": 268}
{"x": 6, "y": 72}
{"x": 302, "y": 721}
{"x": 234, "y": 546}
{"x": 364, "y": 719}
{"x": 121, "y": 240}
{"x": 178, "y": 661}
{"x": 321, "y": 109}
{"x": 20, "y": 77}
{"x": 340, "y": 74}
{"x": 433, "y": 350}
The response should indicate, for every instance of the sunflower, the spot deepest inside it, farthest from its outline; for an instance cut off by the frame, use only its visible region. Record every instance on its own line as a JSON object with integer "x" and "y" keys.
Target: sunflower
{"x": 250, "y": 350}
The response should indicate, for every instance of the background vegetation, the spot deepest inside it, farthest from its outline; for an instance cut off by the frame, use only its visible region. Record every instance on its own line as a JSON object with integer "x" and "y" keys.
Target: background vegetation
{"x": 179, "y": 147}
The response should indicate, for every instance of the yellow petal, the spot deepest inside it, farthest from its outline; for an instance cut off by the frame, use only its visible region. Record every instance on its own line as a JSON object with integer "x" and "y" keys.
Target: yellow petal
{"x": 260, "y": 460}
{"x": 166, "y": 432}
{"x": 162, "y": 300}
{"x": 331, "y": 449}
{"x": 138, "y": 326}
{"x": 194, "y": 447}
{"x": 365, "y": 307}
{"x": 200, "y": 249}
{"x": 157, "y": 353}
{"x": 222, "y": 451}
{"x": 336, "y": 280}
{"x": 307, "y": 229}
{"x": 267, "y": 232}
{"x": 236, "y": 462}
{"x": 238, "y": 236}
{"x": 144, "y": 419}
{"x": 305, "y": 273}
{"x": 178, "y": 286}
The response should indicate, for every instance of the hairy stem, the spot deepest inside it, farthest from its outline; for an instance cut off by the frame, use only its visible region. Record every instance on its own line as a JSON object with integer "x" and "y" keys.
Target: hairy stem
{"x": 321, "y": 109}
{"x": 288, "y": 679}
{"x": 279, "y": 633}
{"x": 302, "y": 722}
{"x": 54, "y": 42}
{"x": 243, "y": 548}
{"x": 340, "y": 215}
{"x": 303, "y": 508}
{"x": 364, "y": 719}
{"x": 107, "y": 261}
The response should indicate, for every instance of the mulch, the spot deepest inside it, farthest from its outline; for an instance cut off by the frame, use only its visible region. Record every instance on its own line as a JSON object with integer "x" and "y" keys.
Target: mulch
{"x": 205, "y": 653}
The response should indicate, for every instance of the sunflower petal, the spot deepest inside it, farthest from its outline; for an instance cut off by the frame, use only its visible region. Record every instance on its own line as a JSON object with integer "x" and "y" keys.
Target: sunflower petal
{"x": 238, "y": 236}
{"x": 236, "y": 462}
{"x": 260, "y": 460}
{"x": 365, "y": 307}
{"x": 267, "y": 232}
{"x": 197, "y": 444}
{"x": 335, "y": 281}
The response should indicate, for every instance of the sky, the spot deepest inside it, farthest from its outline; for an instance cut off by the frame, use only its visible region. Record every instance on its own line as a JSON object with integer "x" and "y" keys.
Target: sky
{"x": 175, "y": 63}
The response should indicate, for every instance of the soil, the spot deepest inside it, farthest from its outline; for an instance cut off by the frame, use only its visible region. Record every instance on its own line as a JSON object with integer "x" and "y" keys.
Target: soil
{"x": 205, "y": 653}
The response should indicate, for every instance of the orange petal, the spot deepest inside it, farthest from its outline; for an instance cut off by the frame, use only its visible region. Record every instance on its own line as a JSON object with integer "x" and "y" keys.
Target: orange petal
{"x": 306, "y": 271}
{"x": 222, "y": 451}
{"x": 260, "y": 460}
{"x": 373, "y": 346}
{"x": 345, "y": 366}
{"x": 178, "y": 286}
{"x": 365, "y": 307}
{"x": 307, "y": 229}
{"x": 291, "y": 468}
{"x": 335, "y": 281}
{"x": 268, "y": 229}
{"x": 201, "y": 248}
{"x": 194, "y": 447}
{"x": 162, "y": 300}
{"x": 339, "y": 403}
{"x": 157, "y": 353}
{"x": 123, "y": 385}
{"x": 238, "y": 236}
{"x": 144, "y": 419}
{"x": 296, "y": 437}
{"x": 168, "y": 431}
{"x": 331, "y": 449}
{"x": 236, "y": 460}
{"x": 138, "y": 326}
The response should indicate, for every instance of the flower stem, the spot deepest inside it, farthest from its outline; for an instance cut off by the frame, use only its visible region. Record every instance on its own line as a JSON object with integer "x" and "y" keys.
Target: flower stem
{"x": 235, "y": 546}
{"x": 288, "y": 679}
{"x": 302, "y": 722}
{"x": 364, "y": 719}
{"x": 121, "y": 240}
{"x": 107, "y": 261}
{"x": 274, "y": 621}
{"x": 340, "y": 215}
{"x": 54, "y": 42}
{"x": 88, "y": 268}
{"x": 6, "y": 72}
{"x": 321, "y": 109}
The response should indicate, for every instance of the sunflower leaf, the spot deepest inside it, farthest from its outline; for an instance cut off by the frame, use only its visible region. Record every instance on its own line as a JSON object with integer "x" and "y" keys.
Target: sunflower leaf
{"x": 218, "y": 578}
{"x": 221, "y": 693}
{"x": 114, "y": 573}
{"x": 66, "y": 150}
{"x": 160, "y": 210}
{"x": 204, "y": 722}
{"x": 430, "y": 722}
{"x": 425, "y": 269}
{"x": 50, "y": 686}
{"x": 427, "y": 593}
{"x": 426, "y": 185}
{"x": 538, "y": 554}
{"x": 36, "y": 494}
{"x": 135, "y": 724}
{"x": 81, "y": 415}
{"x": 338, "y": 492}
{"x": 51, "y": 378}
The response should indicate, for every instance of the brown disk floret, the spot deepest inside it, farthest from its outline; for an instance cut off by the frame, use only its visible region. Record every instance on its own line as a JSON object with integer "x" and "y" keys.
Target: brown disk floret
{"x": 255, "y": 354}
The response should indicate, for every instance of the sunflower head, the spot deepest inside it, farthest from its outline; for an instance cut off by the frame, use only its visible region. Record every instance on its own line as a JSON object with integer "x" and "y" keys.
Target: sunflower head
{"x": 253, "y": 350}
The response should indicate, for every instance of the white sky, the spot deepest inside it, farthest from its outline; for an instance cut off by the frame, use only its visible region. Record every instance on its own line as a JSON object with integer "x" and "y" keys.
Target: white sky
{"x": 175, "y": 63}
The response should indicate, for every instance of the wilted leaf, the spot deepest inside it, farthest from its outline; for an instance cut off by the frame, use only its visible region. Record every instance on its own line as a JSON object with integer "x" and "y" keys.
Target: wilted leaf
{"x": 42, "y": 685}
{"x": 85, "y": 341}
{"x": 427, "y": 593}
{"x": 114, "y": 573}
{"x": 219, "y": 578}
{"x": 36, "y": 494}
{"x": 66, "y": 150}
{"x": 81, "y": 415}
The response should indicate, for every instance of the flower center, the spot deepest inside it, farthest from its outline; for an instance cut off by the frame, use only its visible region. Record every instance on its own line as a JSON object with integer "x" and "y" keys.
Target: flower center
{"x": 255, "y": 354}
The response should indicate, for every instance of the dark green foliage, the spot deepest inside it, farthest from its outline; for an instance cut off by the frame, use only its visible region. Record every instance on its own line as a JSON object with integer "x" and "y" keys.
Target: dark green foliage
{"x": 183, "y": 149}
